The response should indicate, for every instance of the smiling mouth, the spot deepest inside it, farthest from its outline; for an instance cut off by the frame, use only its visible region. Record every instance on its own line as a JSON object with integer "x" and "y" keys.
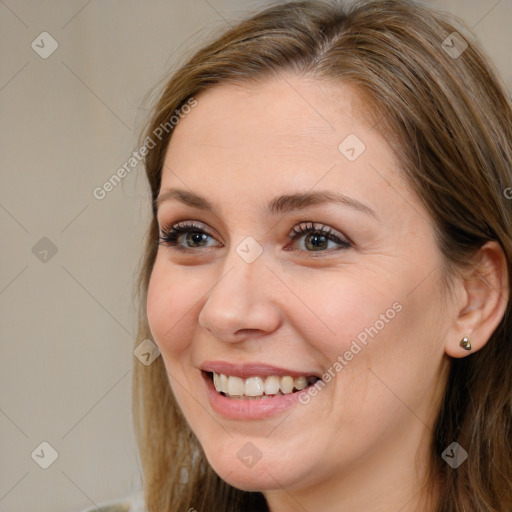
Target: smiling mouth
{"x": 254, "y": 388}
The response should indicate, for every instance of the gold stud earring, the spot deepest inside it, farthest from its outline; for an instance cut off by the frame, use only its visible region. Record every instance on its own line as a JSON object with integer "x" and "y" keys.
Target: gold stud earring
{"x": 465, "y": 343}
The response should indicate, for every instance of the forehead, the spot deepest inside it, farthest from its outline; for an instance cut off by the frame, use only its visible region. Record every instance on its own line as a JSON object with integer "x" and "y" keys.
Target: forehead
{"x": 290, "y": 118}
{"x": 283, "y": 135}
{"x": 293, "y": 114}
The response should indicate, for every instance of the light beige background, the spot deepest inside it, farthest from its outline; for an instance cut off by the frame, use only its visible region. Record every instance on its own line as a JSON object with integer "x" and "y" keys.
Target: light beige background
{"x": 68, "y": 123}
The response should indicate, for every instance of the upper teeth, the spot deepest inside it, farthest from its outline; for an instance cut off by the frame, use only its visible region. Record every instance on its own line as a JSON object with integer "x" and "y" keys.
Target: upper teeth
{"x": 258, "y": 386}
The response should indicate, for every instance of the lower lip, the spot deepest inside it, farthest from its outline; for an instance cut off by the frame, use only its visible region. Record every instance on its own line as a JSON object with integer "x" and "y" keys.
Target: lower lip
{"x": 247, "y": 409}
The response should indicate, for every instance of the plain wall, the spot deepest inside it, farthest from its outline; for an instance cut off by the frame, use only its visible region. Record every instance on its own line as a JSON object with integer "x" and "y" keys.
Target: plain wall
{"x": 68, "y": 122}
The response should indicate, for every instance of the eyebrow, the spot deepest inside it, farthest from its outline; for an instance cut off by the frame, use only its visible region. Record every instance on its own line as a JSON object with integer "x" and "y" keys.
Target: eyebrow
{"x": 279, "y": 205}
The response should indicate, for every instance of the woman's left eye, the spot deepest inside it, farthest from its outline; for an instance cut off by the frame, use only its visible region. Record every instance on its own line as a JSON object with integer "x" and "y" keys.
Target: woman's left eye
{"x": 316, "y": 237}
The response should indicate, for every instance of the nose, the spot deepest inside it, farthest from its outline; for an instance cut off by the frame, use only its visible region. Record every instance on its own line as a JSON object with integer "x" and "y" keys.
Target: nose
{"x": 242, "y": 301}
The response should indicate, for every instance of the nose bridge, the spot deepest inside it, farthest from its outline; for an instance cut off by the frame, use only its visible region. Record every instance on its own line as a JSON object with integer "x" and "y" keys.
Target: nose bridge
{"x": 239, "y": 300}
{"x": 244, "y": 266}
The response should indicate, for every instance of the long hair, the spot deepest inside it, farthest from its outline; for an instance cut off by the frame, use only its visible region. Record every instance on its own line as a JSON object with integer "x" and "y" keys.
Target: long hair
{"x": 448, "y": 119}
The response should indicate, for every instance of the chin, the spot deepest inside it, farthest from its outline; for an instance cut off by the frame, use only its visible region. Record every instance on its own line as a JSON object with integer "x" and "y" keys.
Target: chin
{"x": 249, "y": 479}
{"x": 259, "y": 476}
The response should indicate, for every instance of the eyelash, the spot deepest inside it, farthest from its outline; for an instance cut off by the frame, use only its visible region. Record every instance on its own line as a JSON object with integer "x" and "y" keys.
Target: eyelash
{"x": 169, "y": 235}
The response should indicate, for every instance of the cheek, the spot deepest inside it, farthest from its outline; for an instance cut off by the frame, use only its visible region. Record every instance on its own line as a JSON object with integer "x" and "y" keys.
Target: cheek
{"x": 169, "y": 302}
{"x": 345, "y": 309}
{"x": 375, "y": 325}
{"x": 393, "y": 353}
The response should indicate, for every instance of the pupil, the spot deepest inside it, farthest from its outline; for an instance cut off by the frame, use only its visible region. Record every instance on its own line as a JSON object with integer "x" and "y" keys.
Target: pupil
{"x": 317, "y": 241}
{"x": 195, "y": 237}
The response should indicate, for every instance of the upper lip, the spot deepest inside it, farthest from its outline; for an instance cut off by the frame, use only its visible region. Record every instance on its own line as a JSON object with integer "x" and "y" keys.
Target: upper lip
{"x": 245, "y": 370}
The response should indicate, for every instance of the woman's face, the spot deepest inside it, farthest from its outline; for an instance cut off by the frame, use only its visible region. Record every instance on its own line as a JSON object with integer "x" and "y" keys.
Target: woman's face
{"x": 360, "y": 304}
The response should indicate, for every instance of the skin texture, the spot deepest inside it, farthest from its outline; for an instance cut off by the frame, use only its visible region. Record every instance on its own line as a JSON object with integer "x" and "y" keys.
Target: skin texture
{"x": 362, "y": 442}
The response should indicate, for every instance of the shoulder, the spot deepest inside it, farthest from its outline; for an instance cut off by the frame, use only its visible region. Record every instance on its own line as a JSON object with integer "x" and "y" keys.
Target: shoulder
{"x": 131, "y": 503}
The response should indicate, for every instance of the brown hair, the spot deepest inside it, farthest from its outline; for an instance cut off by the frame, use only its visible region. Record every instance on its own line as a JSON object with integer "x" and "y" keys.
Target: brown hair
{"x": 451, "y": 124}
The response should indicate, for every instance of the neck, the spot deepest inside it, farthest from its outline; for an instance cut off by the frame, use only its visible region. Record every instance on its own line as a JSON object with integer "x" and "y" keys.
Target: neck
{"x": 389, "y": 479}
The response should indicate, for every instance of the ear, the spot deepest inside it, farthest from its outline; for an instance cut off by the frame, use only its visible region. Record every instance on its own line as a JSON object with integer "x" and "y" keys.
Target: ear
{"x": 482, "y": 301}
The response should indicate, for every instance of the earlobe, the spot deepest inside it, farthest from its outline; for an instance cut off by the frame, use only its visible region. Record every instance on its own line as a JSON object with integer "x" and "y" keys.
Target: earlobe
{"x": 486, "y": 292}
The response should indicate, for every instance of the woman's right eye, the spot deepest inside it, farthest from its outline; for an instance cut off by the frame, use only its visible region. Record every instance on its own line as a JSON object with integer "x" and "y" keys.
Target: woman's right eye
{"x": 193, "y": 236}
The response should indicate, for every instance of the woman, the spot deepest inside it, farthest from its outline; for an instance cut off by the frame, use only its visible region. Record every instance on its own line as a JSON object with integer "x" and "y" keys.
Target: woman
{"x": 327, "y": 268}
